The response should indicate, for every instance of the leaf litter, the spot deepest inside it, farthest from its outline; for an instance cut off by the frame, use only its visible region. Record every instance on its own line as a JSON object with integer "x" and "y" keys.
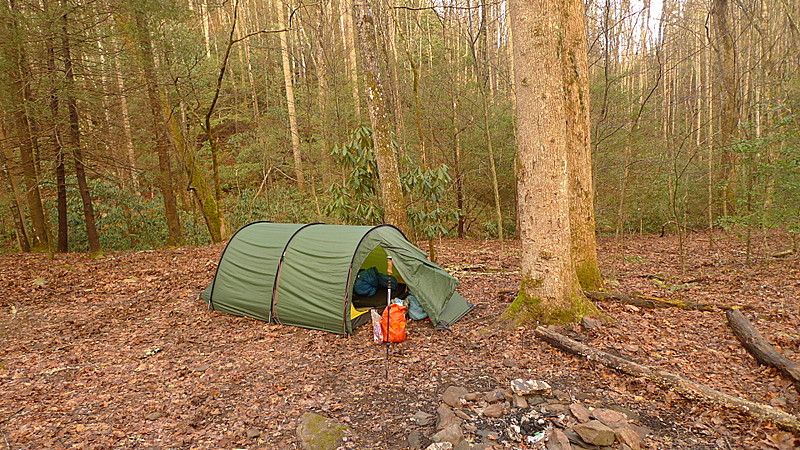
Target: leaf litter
{"x": 121, "y": 352}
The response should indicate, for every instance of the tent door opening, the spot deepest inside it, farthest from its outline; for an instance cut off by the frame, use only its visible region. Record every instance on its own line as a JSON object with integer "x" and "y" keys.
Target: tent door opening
{"x": 363, "y": 302}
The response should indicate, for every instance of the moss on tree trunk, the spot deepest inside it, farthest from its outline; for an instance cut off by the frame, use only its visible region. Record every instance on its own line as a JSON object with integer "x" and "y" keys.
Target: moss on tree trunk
{"x": 530, "y": 308}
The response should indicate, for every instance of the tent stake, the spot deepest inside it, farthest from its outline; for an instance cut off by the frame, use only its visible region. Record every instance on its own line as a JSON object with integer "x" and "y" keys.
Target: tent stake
{"x": 388, "y": 311}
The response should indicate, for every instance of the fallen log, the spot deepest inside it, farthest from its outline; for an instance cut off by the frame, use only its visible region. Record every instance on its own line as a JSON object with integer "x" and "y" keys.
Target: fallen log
{"x": 644, "y": 301}
{"x": 683, "y": 386}
{"x": 762, "y": 350}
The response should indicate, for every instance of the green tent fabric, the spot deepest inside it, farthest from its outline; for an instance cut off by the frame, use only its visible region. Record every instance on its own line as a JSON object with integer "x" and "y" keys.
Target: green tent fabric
{"x": 303, "y": 275}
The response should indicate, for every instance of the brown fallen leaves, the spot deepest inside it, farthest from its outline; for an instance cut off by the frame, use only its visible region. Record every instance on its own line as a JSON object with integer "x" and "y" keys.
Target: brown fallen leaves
{"x": 121, "y": 352}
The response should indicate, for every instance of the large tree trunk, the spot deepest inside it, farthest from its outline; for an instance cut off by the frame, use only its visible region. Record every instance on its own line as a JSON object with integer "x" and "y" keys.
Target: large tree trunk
{"x": 549, "y": 291}
{"x": 158, "y": 126}
{"x": 579, "y": 148}
{"x": 287, "y": 81}
{"x": 74, "y": 138}
{"x": 379, "y": 115}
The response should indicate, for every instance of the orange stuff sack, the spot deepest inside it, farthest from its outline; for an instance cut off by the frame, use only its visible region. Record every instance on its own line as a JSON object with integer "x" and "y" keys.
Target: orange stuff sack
{"x": 396, "y": 316}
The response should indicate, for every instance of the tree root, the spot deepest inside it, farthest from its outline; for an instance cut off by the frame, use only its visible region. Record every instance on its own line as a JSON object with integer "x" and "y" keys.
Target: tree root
{"x": 762, "y": 350}
{"x": 683, "y": 386}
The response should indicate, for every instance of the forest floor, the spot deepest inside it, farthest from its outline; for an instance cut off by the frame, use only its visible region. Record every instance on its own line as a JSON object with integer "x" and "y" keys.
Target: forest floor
{"x": 121, "y": 351}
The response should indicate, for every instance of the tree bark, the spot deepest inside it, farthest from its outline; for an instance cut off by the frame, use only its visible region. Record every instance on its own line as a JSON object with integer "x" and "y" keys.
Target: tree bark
{"x": 549, "y": 291}
{"x": 687, "y": 388}
{"x": 74, "y": 137}
{"x": 19, "y": 83}
{"x": 579, "y": 146}
{"x": 727, "y": 87}
{"x": 57, "y": 145}
{"x": 290, "y": 105}
{"x": 350, "y": 41}
{"x": 391, "y": 191}
{"x": 479, "y": 52}
{"x": 12, "y": 187}
{"x": 131, "y": 170}
{"x": 762, "y": 350}
{"x": 158, "y": 126}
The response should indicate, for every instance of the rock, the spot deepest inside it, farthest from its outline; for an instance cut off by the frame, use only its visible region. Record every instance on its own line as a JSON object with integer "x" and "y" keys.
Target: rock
{"x": 595, "y": 432}
{"x": 422, "y": 418}
{"x": 562, "y": 396}
{"x": 440, "y": 446}
{"x": 590, "y": 322}
{"x": 317, "y": 432}
{"x": 461, "y": 414}
{"x": 641, "y": 431}
{"x": 609, "y": 417}
{"x": 628, "y": 436}
{"x": 453, "y": 395}
{"x": 484, "y": 433}
{"x": 252, "y": 433}
{"x": 446, "y": 417}
{"x": 463, "y": 445}
{"x": 510, "y": 363}
{"x": 472, "y": 396}
{"x": 535, "y": 399}
{"x": 558, "y": 441}
{"x": 580, "y": 412}
{"x": 494, "y": 410}
{"x": 530, "y": 387}
{"x": 494, "y": 396}
{"x": 414, "y": 439}
{"x": 575, "y": 438}
{"x": 632, "y": 415}
{"x": 154, "y": 415}
{"x": 451, "y": 434}
{"x": 554, "y": 409}
{"x": 519, "y": 401}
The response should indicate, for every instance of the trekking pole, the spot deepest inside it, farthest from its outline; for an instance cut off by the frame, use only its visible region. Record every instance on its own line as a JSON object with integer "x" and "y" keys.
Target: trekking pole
{"x": 388, "y": 311}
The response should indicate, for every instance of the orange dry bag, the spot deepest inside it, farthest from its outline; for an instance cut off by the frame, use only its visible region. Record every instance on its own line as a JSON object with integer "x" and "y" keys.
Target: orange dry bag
{"x": 396, "y": 316}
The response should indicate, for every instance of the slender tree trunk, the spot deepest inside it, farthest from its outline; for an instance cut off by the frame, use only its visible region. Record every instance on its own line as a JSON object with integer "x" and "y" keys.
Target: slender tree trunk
{"x": 12, "y": 187}
{"x": 290, "y": 104}
{"x": 158, "y": 127}
{"x": 388, "y": 172}
{"x": 350, "y": 42}
{"x": 481, "y": 77}
{"x": 549, "y": 291}
{"x": 56, "y": 141}
{"x": 19, "y": 80}
{"x": 74, "y": 137}
{"x": 727, "y": 87}
{"x": 131, "y": 170}
{"x": 205, "y": 17}
{"x": 492, "y": 166}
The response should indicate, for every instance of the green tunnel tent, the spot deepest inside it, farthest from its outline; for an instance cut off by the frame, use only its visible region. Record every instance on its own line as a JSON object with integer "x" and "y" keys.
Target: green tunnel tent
{"x": 303, "y": 275}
